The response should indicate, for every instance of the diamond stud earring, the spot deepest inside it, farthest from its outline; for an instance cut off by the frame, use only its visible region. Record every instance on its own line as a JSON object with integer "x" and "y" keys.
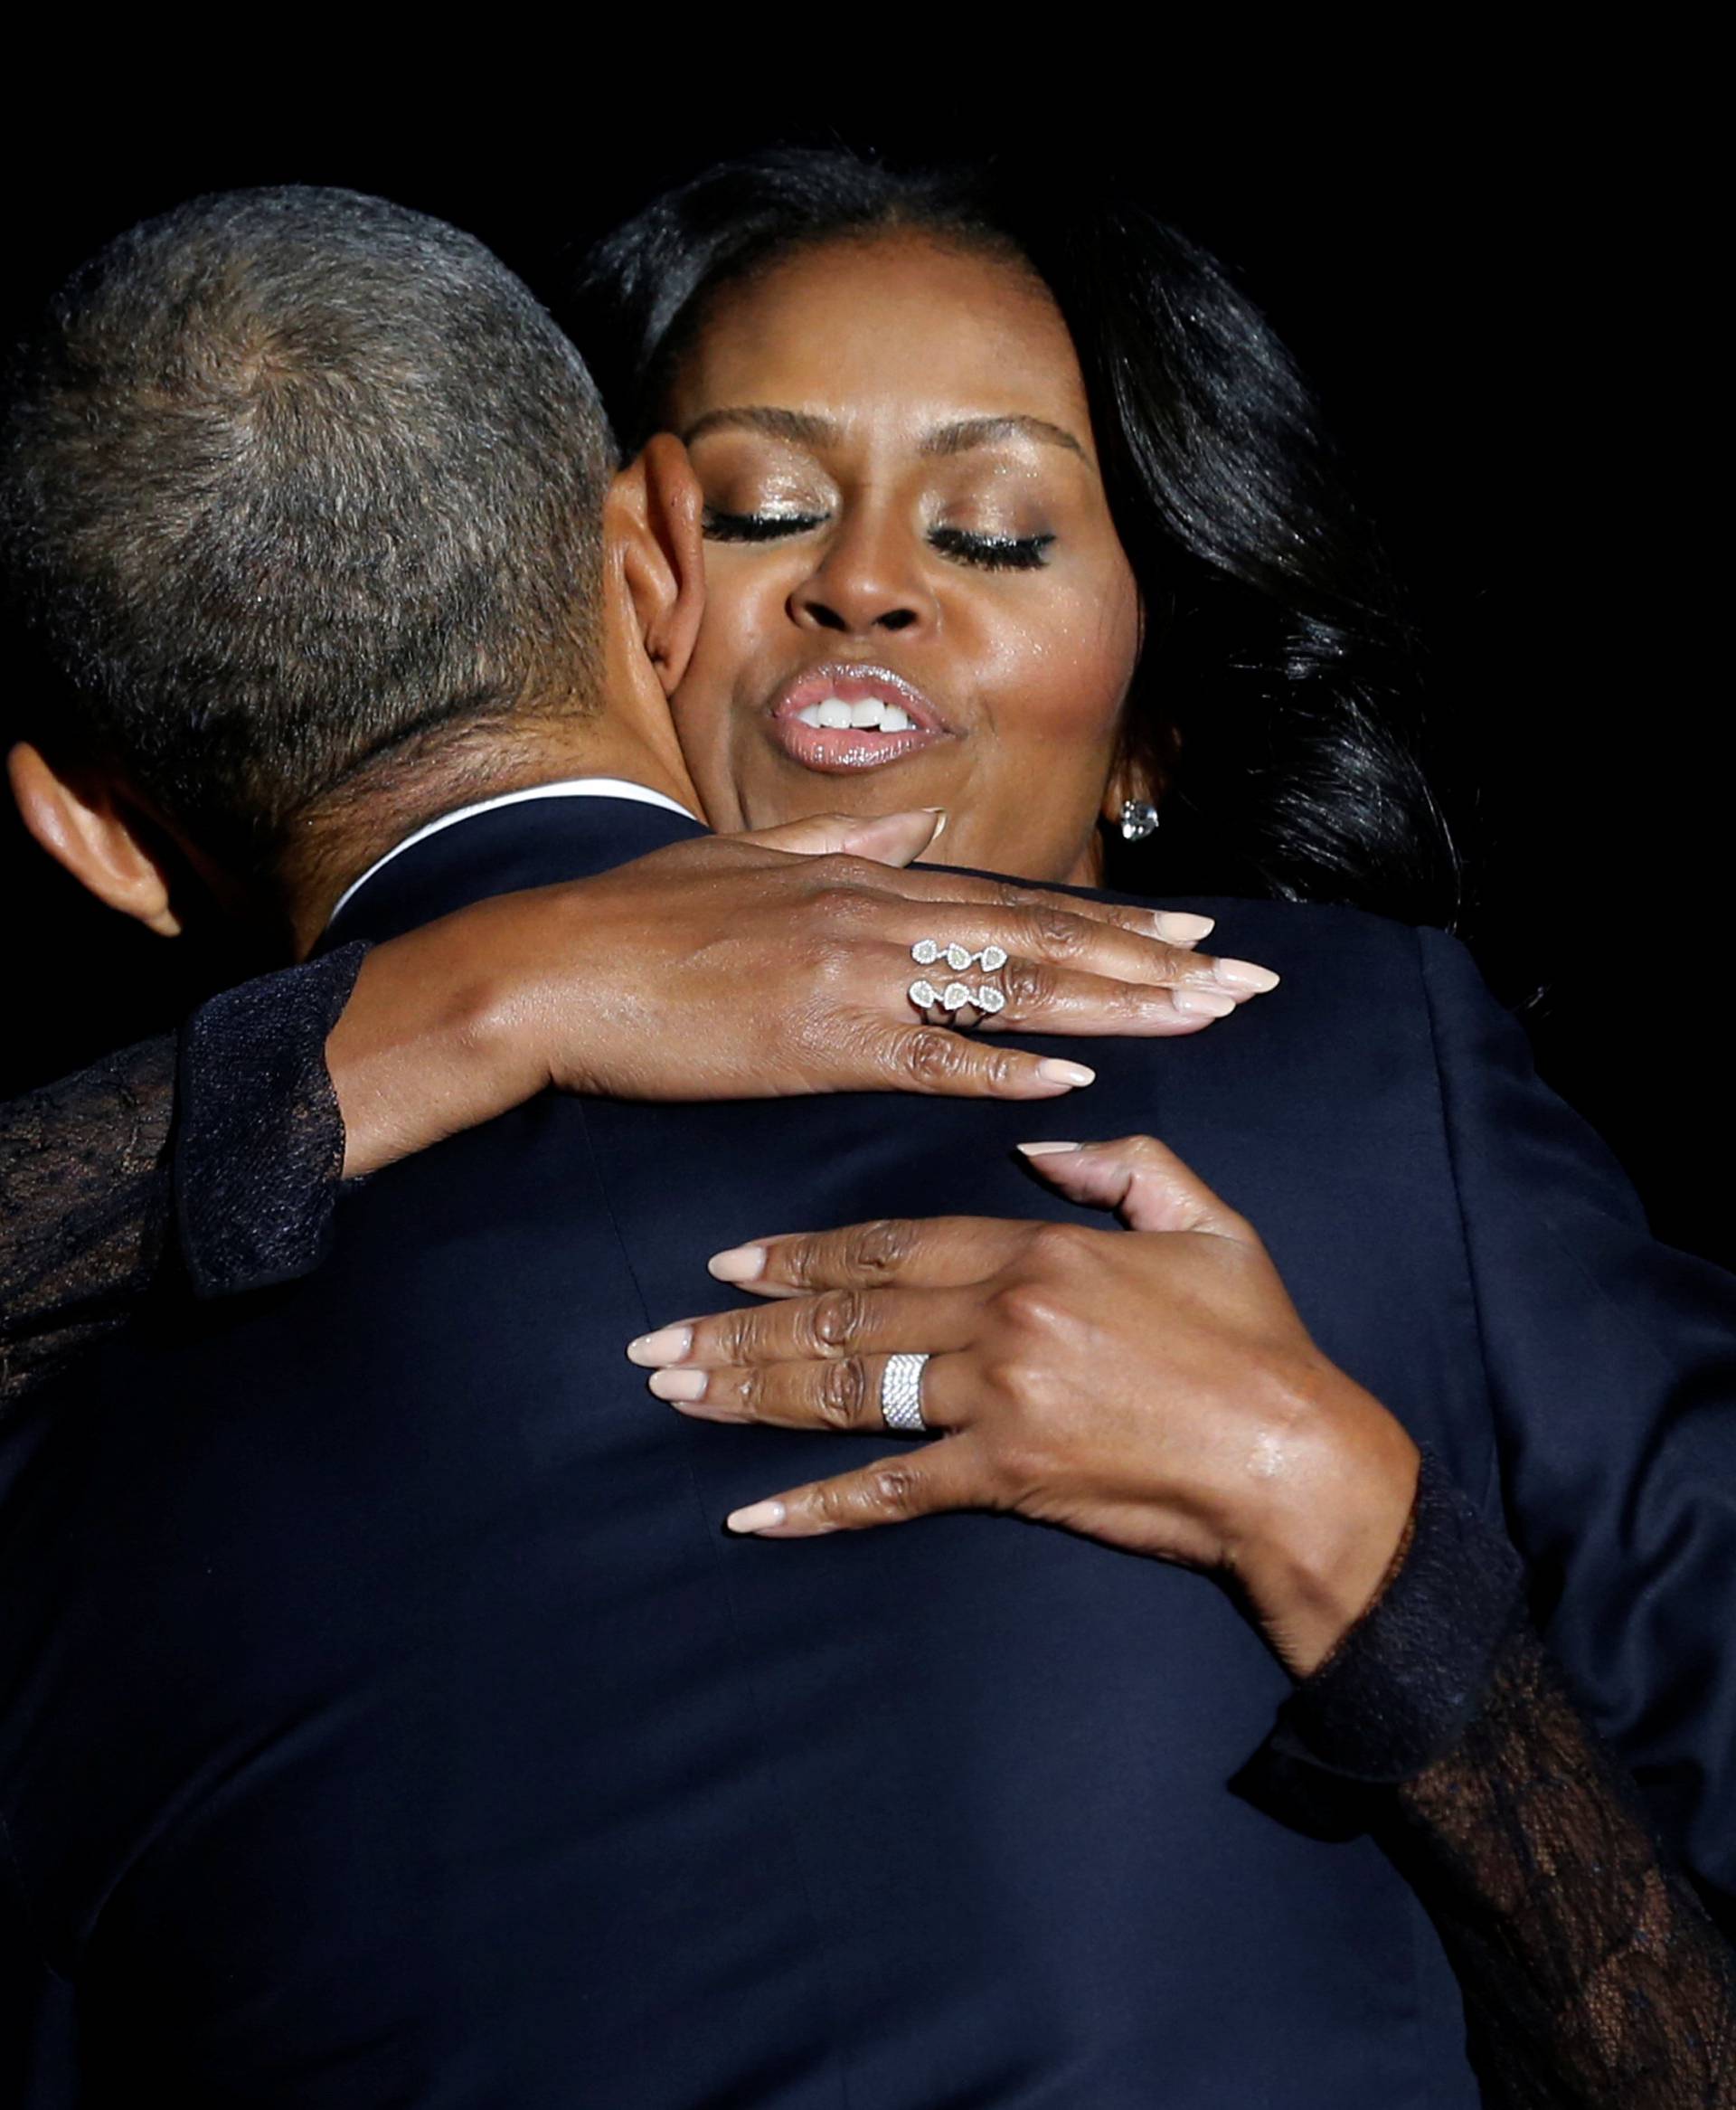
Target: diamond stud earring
{"x": 1139, "y": 820}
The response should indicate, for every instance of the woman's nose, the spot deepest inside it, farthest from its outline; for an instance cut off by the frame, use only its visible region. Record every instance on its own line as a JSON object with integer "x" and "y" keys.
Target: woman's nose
{"x": 864, "y": 584}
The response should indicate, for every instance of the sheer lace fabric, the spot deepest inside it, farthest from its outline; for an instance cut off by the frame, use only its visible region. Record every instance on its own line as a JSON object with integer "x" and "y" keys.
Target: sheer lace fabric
{"x": 213, "y": 1155}
{"x": 1591, "y": 1974}
{"x": 84, "y": 1171}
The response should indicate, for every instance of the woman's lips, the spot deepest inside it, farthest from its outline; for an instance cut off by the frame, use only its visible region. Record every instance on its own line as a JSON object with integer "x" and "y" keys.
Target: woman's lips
{"x": 843, "y": 718}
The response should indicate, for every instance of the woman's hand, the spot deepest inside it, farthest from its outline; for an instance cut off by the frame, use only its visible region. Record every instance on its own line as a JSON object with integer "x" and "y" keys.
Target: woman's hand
{"x": 745, "y": 967}
{"x": 1152, "y": 1387}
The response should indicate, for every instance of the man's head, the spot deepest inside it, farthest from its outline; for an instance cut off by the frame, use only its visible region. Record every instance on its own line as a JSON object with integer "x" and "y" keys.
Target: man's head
{"x": 306, "y": 496}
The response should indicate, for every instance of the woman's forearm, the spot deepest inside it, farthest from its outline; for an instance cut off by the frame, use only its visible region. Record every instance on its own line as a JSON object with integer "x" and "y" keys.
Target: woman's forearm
{"x": 212, "y": 1156}
{"x": 438, "y": 1034}
{"x": 746, "y": 968}
{"x": 1590, "y": 1973}
{"x": 84, "y": 1171}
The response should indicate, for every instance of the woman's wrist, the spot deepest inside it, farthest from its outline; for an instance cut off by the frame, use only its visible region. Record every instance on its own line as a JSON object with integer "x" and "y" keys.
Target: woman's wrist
{"x": 435, "y": 1038}
{"x": 1332, "y": 1518}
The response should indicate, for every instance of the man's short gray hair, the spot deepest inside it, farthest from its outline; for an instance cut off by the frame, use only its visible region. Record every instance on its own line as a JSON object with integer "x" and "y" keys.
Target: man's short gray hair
{"x": 290, "y": 478}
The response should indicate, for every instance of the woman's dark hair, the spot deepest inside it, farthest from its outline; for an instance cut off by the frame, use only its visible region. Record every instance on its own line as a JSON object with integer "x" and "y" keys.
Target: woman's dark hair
{"x": 1279, "y": 685}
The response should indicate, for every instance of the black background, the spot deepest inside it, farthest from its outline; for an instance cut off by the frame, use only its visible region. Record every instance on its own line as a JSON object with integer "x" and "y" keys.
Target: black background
{"x": 1514, "y": 313}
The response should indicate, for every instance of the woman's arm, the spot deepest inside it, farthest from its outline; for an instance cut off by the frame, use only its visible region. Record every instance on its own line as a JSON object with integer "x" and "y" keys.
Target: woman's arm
{"x": 87, "y": 1215}
{"x": 1159, "y": 1393}
{"x": 719, "y": 969}
{"x": 108, "y": 1184}
{"x": 1590, "y": 1973}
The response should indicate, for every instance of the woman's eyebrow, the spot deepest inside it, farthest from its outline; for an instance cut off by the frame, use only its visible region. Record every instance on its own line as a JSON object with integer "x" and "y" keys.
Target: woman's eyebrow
{"x": 801, "y": 427}
{"x": 808, "y": 429}
{"x": 964, "y": 433}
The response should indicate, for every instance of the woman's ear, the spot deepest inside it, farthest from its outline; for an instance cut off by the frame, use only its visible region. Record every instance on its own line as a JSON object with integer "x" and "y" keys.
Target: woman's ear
{"x": 1134, "y": 777}
{"x": 84, "y": 819}
{"x": 655, "y": 521}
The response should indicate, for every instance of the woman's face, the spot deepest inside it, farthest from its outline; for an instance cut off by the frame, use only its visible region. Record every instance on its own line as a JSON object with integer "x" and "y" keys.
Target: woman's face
{"x": 915, "y": 594}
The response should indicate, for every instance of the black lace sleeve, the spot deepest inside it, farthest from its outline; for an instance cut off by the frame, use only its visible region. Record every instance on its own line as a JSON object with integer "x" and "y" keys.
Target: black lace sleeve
{"x": 218, "y": 1150}
{"x": 84, "y": 1171}
{"x": 260, "y": 1141}
{"x": 1591, "y": 1974}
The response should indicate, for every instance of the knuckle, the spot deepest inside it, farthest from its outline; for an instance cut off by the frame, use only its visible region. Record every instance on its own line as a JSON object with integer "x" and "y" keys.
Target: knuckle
{"x": 844, "y": 1392}
{"x": 832, "y": 1321}
{"x": 1056, "y": 932}
{"x": 1026, "y": 985}
{"x": 735, "y": 1338}
{"x": 1001, "y": 1068}
{"x": 1026, "y": 1307}
{"x": 795, "y": 1260}
{"x": 894, "y": 1488}
{"x": 1059, "y": 1248}
{"x": 878, "y": 1249}
{"x": 1005, "y": 1377}
{"x": 843, "y": 869}
{"x": 837, "y": 1503}
{"x": 845, "y": 907}
{"x": 933, "y": 1056}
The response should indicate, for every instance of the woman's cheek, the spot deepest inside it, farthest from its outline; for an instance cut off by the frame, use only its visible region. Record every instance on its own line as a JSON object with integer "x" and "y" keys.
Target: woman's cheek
{"x": 1077, "y": 669}
{"x": 700, "y": 709}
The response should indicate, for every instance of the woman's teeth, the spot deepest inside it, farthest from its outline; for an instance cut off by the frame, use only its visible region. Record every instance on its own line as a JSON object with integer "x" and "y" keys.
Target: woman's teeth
{"x": 835, "y": 716}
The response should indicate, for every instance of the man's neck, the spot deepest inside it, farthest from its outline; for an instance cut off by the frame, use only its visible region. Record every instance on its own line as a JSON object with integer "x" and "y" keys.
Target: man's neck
{"x": 353, "y": 834}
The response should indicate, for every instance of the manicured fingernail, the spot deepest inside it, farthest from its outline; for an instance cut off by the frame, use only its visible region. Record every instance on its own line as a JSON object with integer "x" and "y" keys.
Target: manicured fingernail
{"x": 756, "y": 1517}
{"x": 1052, "y": 1071}
{"x": 939, "y": 826}
{"x": 1175, "y": 927}
{"x": 740, "y": 1264}
{"x": 1045, "y": 1150}
{"x": 669, "y": 1344}
{"x": 1245, "y": 976}
{"x": 1202, "y": 1003}
{"x": 678, "y": 1384}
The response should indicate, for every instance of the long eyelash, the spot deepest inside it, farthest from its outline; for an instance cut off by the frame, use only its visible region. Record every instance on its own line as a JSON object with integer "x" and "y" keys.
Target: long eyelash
{"x": 994, "y": 552}
{"x": 757, "y": 526}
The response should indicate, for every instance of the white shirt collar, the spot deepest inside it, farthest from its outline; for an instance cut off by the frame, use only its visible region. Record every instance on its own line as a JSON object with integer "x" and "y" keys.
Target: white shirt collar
{"x": 568, "y": 788}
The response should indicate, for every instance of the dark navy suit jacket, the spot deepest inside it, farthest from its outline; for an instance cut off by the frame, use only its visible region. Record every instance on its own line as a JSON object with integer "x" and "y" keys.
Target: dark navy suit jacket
{"x": 386, "y": 1719}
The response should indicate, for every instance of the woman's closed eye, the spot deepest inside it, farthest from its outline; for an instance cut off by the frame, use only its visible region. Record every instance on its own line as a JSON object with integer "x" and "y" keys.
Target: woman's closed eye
{"x": 994, "y": 553}
{"x": 720, "y": 526}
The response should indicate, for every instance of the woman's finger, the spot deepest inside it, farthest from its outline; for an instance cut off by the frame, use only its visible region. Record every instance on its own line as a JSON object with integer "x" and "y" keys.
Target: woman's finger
{"x": 1143, "y": 1181}
{"x": 941, "y": 1062}
{"x": 1048, "y": 935}
{"x": 842, "y": 1397}
{"x": 828, "y": 1328}
{"x": 932, "y": 1253}
{"x": 946, "y": 1475}
{"x": 877, "y": 843}
{"x": 1034, "y": 997}
{"x": 940, "y": 886}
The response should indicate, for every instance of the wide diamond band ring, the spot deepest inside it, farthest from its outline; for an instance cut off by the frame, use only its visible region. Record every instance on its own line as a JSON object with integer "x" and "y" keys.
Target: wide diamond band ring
{"x": 900, "y": 1395}
{"x": 955, "y": 995}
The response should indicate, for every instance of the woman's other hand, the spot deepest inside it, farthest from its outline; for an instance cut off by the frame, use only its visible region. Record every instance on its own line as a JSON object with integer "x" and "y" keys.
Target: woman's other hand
{"x": 1153, "y": 1388}
{"x": 751, "y": 966}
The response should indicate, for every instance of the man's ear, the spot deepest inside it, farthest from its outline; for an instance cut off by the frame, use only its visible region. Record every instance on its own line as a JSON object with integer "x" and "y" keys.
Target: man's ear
{"x": 84, "y": 820}
{"x": 653, "y": 530}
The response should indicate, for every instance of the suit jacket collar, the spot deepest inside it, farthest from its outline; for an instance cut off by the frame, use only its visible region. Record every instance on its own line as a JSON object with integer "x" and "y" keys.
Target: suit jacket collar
{"x": 501, "y": 850}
